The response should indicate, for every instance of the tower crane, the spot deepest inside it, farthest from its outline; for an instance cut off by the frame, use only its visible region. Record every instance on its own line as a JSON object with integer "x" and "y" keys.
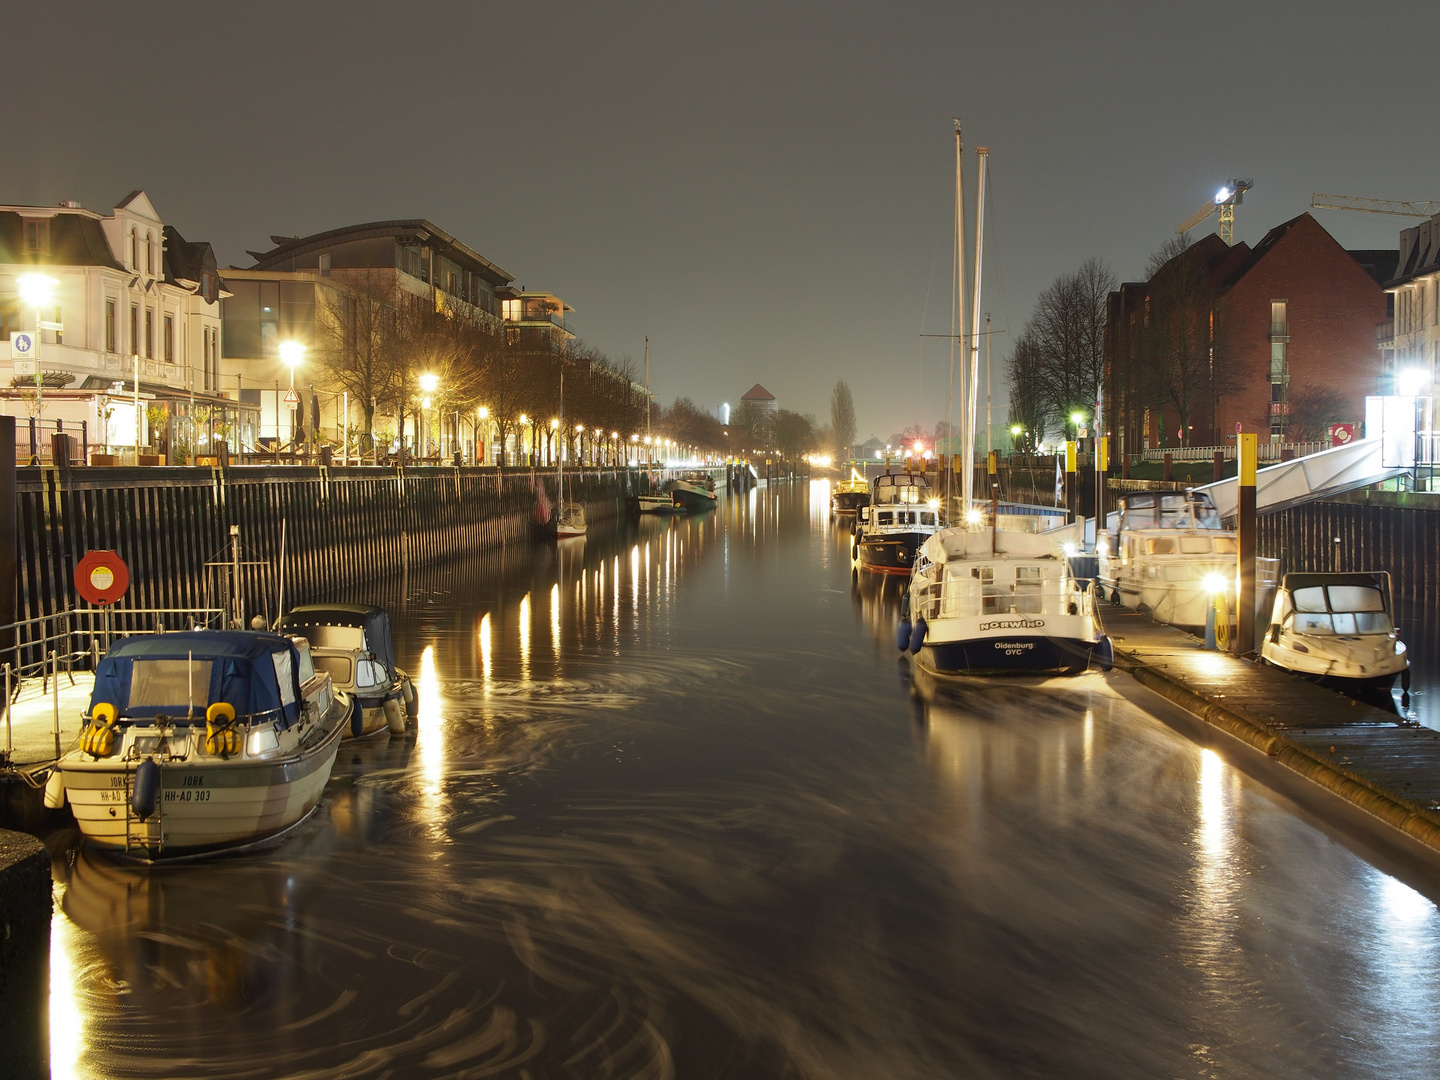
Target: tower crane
{"x": 1374, "y": 206}
{"x": 1225, "y": 201}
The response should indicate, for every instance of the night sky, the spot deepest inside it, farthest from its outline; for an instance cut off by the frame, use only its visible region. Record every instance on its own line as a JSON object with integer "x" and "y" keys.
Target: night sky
{"x": 764, "y": 189}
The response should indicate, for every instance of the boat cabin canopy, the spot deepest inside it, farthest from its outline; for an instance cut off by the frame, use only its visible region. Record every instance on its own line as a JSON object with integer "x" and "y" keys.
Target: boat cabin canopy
{"x": 180, "y": 675}
{"x": 1168, "y": 510}
{"x": 899, "y": 488}
{"x": 1335, "y": 603}
{"x": 344, "y": 626}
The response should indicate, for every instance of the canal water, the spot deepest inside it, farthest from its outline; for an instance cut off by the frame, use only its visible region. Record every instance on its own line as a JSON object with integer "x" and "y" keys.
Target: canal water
{"x": 675, "y": 808}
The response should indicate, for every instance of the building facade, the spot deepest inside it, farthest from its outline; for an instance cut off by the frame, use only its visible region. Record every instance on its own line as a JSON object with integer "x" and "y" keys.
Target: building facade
{"x": 1412, "y": 337}
{"x": 130, "y": 302}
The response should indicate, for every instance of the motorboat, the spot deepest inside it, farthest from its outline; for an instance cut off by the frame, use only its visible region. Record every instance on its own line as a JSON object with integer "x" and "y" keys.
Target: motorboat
{"x": 1168, "y": 556}
{"x": 1337, "y": 629}
{"x": 903, "y": 513}
{"x": 993, "y": 601}
{"x": 848, "y": 496}
{"x": 201, "y": 741}
{"x": 653, "y": 504}
{"x": 570, "y": 521}
{"x": 352, "y": 643}
{"x": 695, "y": 491}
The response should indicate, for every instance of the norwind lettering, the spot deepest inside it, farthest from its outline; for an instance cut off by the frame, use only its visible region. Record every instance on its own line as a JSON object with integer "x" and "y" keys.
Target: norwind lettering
{"x": 1013, "y": 624}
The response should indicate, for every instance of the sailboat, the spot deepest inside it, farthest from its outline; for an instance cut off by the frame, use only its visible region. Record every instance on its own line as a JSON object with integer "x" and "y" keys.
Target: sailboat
{"x": 986, "y": 600}
{"x": 570, "y": 519}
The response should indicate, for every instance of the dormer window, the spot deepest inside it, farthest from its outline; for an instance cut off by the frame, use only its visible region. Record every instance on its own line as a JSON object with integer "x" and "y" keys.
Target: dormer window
{"x": 37, "y": 236}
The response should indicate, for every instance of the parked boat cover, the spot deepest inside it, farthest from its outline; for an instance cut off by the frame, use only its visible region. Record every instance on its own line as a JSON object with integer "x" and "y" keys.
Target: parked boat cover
{"x": 255, "y": 672}
{"x": 375, "y": 621}
{"x": 956, "y": 543}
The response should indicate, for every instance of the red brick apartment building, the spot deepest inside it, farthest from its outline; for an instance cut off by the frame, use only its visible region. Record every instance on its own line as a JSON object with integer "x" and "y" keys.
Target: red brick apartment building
{"x": 1279, "y": 339}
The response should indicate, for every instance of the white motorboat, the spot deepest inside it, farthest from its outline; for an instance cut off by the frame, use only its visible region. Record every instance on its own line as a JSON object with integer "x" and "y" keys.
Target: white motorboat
{"x": 201, "y": 741}
{"x": 1337, "y": 629}
{"x": 570, "y": 521}
{"x": 1168, "y": 557}
{"x": 352, "y": 644}
{"x": 695, "y": 492}
{"x": 653, "y": 504}
{"x": 992, "y": 601}
{"x": 902, "y": 514}
{"x": 848, "y": 496}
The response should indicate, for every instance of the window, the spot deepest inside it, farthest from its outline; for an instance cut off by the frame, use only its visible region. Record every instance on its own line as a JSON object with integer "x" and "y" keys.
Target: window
{"x": 37, "y": 236}
{"x": 325, "y": 265}
{"x": 170, "y": 684}
{"x": 109, "y": 325}
{"x": 149, "y": 333}
{"x": 134, "y": 328}
{"x": 169, "y": 339}
{"x": 1279, "y": 326}
{"x": 134, "y": 250}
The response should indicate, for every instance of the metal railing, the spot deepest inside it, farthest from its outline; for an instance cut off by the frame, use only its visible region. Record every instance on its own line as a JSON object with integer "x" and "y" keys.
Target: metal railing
{"x": 1268, "y": 451}
{"x": 75, "y": 638}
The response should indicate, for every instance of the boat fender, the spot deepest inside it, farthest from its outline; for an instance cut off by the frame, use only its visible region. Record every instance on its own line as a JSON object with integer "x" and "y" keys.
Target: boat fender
{"x": 221, "y": 738}
{"x": 1105, "y": 653}
{"x": 357, "y": 718}
{"x": 145, "y": 797}
{"x": 902, "y": 634}
{"x": 394, "y": 716}
{"x": 905, "y": 605}
{"x": 98, "y": 738}
{"x": 55, "y": 790}
{"x": 412, "y": 696}
{"x": 917, "y": 636}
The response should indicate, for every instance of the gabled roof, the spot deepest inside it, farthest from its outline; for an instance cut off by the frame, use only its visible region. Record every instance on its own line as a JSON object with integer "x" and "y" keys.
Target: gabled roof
{"x": 138, "y": 202}
{"x": 192, "y": 265}
{"x": 757, "y": 393}
{"x": 1379, "y": 263}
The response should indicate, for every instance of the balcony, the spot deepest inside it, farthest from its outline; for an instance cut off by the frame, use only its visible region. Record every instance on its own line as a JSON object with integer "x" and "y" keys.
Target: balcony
{"x": 1385, "y": 334}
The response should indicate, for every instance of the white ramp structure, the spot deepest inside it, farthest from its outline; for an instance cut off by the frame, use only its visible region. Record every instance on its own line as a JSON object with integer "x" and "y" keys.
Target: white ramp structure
{"x": 1389, "y": 450}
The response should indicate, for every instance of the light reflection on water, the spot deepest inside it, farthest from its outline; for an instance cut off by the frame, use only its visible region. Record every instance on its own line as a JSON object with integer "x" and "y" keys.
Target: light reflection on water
{"x": 750, "y": 846}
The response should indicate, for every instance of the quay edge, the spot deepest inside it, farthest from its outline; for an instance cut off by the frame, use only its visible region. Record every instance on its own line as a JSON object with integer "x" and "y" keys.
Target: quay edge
{"x": 25, "y": 913}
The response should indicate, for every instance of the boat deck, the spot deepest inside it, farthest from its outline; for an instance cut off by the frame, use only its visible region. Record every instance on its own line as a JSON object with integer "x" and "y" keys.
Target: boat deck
{"x": 1380, "y": 762}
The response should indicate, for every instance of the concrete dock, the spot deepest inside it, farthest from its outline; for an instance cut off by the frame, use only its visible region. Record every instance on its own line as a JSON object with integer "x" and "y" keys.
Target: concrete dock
{"x": 1378, "y": 761}
{"x": 32, "y": 723}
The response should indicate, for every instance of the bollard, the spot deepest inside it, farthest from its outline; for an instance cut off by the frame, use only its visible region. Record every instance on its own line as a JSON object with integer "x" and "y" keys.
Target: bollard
{"x": 55, "y": 696}
{"x": 1219, "y": 465}
{"x": 1072, "y": 487}
{"x": 9, "y": 734}
{"x": 1169, "y": 466}
{"x": 1247, "y": 448}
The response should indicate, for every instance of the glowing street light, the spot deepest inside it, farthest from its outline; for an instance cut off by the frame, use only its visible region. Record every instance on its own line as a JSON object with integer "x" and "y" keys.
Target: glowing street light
{"x": 1412, "y": 381}
{"x": 292, "y": 353}
{"x": 1016, "y": 429}
{"x": 428, "y": 382}
{"x": 38, "y": 290}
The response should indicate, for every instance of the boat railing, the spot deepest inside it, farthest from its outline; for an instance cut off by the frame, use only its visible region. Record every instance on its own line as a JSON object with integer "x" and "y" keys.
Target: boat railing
{"x": 968, "y": 597}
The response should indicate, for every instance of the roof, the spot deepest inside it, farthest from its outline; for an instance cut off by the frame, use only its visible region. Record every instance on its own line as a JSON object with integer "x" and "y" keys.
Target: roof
{"x": 76, "y": 239}
{"x": 757, "y": 393}
{"x": 191, "y": 264}
{"x": 409, "y": 229}
{"x": 1379, "y": 263}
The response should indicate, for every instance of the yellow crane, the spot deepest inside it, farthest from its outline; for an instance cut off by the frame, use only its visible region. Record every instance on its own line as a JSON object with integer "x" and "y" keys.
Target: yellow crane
{"x": 1374, "y": 206}
{"x": 1224, "y": 202}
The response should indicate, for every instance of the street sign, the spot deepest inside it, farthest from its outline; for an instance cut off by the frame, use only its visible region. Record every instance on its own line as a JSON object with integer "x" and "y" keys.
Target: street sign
{"x": 292, "y": 398}
{"x": 1341, "y": 434}
{"x": 51, "y": 325}
{"x": 27, "y": 367}
{"x": 24, "y": 345}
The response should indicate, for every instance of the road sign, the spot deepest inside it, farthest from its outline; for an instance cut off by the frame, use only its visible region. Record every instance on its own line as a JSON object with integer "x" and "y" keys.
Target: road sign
{"x": 24, "y": 345}
{"x": 27, "y": 367}
{"x": 51, "y": 325}
{"x": 292, "y": 398}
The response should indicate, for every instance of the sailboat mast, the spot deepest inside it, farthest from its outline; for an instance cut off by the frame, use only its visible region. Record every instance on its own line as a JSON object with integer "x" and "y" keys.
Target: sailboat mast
{"x": 957, "y": 316}
{"x": 989, "y": 376}
{"x": 647, "y": 388}
{"x": 983, "y": 153}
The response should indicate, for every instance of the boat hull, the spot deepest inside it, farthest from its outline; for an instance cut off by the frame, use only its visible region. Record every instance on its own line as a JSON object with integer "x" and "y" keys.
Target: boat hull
{"x": 206, "y": 805}
{"x": 652, "y": 504}
{"x": 849, "y": 502}
{"x": 1008, "y": 656}
{"x": 890, "y": 553}
{"x": 694, "y": 499}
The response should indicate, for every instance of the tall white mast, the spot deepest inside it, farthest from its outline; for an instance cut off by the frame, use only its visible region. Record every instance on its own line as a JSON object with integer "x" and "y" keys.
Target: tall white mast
{"x": 957, "y": 311}
{"x": 983, "y": 153}
{"x": 647, "y": 388}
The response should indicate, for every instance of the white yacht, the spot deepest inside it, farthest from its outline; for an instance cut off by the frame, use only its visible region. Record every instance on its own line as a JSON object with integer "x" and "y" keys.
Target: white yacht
{"x": 991, "y": 601}
{"x": 1168, "y": 556}
{"x": 902, "y": 514}
{"x": 200, "y": 741}
{"x": 1337, "y": 629}
{"x": 353, "y": 644}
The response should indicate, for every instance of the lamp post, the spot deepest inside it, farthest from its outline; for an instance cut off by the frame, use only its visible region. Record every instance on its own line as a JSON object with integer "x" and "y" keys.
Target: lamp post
{"x": 428, "y": 385}
{"x": 519, "y": 450}
{"x": 37, "y": 290}
{"x": 481, "y": 414}
{"x": 292, "y": 352}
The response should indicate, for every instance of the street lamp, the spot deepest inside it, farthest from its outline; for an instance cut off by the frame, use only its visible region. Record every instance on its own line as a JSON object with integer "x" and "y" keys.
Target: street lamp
{"x": 292, "y": 352}
{"x": 481, "y": 413}
{"x": 37, "y": 290}
{"x": 523, "y": 421}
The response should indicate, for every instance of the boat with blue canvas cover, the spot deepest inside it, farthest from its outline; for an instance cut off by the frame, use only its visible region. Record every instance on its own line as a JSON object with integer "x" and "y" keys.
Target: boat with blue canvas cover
{"x": 201, "y": 741}
{"x": 354, "y": 645}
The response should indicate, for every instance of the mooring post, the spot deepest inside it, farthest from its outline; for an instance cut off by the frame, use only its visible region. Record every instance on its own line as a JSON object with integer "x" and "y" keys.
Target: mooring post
{"x": 1247, "y": 449}
{"x": 1169, "y": 467}
{"x": 1102, "y": 465}
{"x": 1072, "y": 487}
{"x": 1219, "y": 465}
{"x": 55, "y": 696}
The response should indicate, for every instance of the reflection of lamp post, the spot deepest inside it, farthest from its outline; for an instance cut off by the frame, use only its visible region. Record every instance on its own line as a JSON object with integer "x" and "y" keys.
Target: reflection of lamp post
{"x": 37, "y": 290}
{"x": 292, "y": 352}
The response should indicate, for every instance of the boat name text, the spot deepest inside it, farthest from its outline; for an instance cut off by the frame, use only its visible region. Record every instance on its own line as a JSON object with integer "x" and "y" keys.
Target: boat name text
{"x": 1013, "y": 624}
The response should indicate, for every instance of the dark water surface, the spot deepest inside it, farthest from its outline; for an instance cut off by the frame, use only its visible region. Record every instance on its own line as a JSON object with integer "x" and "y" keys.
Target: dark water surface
{"x": 674, "y": 809}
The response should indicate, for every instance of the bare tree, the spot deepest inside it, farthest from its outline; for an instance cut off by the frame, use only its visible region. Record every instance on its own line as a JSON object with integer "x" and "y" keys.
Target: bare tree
{"x": 354, "y": 338}
{"x": 1030, "y": 407}
{"x": 1185, "y": 367}
{"x": 1065, "y": 359}
{"x": 1313, "y": 409}
{"x": 842, "y": 418}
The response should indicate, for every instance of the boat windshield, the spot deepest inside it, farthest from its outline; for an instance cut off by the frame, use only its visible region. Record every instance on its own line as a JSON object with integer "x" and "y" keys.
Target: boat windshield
{"x": 900, "y": 489}
{"x": 170, "y": 684}
{"x": 1340, "y": 609}
{"x": 1182, "y": 510}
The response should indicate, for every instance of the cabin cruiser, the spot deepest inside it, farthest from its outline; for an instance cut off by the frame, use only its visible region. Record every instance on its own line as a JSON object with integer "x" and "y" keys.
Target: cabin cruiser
{"x": 570, "y": 521}
{"x": 848, "y": 496}
{"x": 903, "y": 513}
{"x": 694, "y": 491}
{"x": 353, "y": 645}
{"x": 1168, "y": 553}
{"x": 1337, "y": 629}
{"x": 996, "y": 601}
{"x": 653, "y": 504}
{"x": 200, "y": 741}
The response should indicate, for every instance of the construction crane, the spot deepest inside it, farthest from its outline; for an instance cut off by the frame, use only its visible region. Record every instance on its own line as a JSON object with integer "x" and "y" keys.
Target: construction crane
{"x": 1225, "y": 201}
{"x": 1374, "y": 206}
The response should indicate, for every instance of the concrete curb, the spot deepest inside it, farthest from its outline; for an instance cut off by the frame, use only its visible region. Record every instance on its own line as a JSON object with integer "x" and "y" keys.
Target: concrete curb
{"x": 1416, "y": 821}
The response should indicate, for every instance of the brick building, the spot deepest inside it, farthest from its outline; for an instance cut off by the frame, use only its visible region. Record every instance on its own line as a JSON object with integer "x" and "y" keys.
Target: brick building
{"x": 1281, "y": 340}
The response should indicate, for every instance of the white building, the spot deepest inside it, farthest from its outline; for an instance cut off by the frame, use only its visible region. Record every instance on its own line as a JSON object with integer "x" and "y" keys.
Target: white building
{"x": 130, "y": 301}
{"x": 1416, "y": 291}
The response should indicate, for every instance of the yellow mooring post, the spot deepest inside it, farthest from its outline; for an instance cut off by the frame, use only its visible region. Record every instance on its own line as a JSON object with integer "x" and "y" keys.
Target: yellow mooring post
{"x": 1072, "y": 488}
{"x": 1247, "y": 450}
{"x": 1102, "y": 466}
